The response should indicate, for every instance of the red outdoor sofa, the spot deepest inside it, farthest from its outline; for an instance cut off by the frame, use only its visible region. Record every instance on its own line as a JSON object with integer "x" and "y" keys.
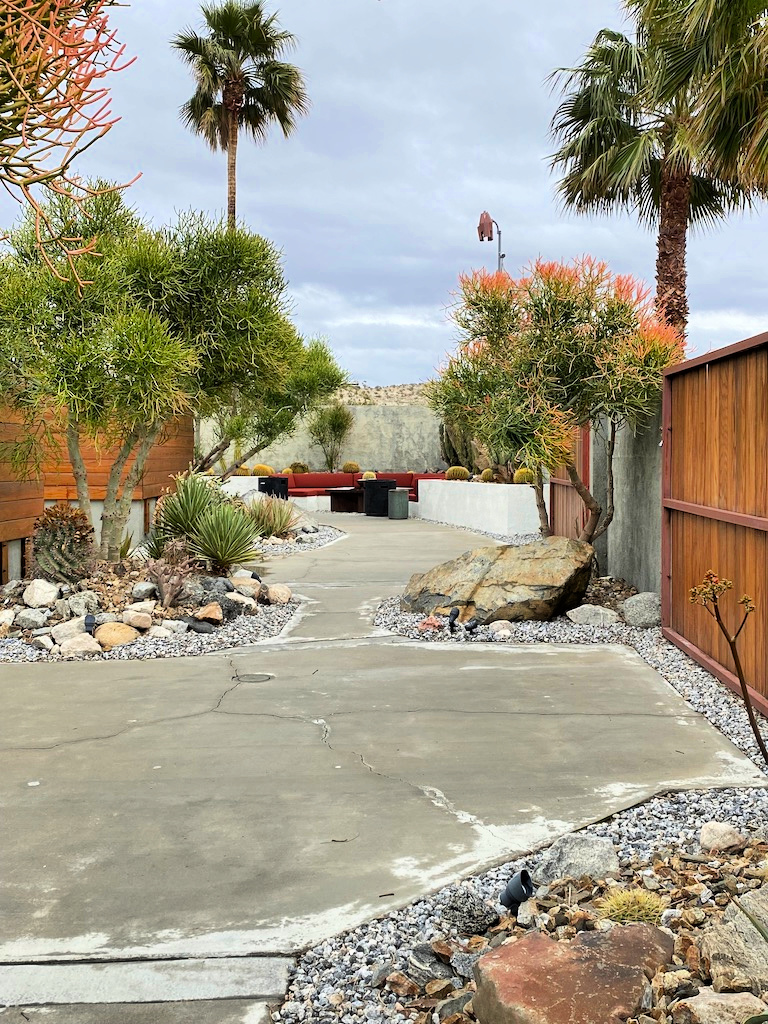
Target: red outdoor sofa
{"x": 309, "y": 485}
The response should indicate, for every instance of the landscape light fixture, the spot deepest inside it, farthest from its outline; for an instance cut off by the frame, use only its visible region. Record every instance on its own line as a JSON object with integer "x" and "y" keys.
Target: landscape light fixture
{"x": 519, "y": 889}
{"x": 485, "y": 234}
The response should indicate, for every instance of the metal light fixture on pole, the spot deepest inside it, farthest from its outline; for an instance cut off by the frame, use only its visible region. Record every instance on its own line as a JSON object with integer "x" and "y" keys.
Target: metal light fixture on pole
{"x": 485, "y": 234}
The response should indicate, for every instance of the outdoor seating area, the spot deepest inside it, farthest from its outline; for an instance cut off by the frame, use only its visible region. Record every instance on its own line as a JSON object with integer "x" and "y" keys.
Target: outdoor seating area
{"x": 312, "y": 485}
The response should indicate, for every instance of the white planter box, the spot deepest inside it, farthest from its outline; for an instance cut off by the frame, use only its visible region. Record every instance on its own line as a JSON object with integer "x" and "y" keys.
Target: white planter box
{"x": 241, "y": 485}
{"x": 506, "y": 509}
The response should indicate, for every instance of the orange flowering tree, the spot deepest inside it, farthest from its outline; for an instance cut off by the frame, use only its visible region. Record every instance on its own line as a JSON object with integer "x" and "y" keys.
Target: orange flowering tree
{"x": 56, "y": 57}
{"x": 540, "y": 356}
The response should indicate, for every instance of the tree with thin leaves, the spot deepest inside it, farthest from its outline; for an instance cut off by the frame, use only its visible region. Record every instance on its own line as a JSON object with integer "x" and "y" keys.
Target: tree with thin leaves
{"x": 627, "y": 142}
{"x": 242, "y": 84}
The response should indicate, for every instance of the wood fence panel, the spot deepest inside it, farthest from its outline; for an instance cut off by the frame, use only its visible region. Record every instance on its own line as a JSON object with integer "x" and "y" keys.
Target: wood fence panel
{"x": 567, "y": 515}
{"x": 21, "y": 501}
{"x": 715, "y": 504}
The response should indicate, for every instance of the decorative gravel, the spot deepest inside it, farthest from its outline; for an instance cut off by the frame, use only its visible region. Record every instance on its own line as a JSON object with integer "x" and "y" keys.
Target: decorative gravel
{"x": 308, "y": 542}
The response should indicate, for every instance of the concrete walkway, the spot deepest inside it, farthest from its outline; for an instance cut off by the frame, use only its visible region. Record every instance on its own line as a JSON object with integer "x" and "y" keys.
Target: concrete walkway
{"x": 220, "y": 813}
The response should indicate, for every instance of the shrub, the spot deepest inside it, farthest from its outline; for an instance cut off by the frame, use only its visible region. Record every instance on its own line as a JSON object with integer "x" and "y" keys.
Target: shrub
{"x": 350, "y": 467}
{"x": 487, "y": 476}
{"x": 177, "y": 514}
{"x": 369, "y": 475}
{"x": 624, "y": 905}
{"x": 329, "y": 428}
{"x": 262, "y": 470}
{"x": 457, "y": 473}
{"x": 273, "y": 517}
{"x": 524, "y": 476}
{"x": 224, "y": 535}
{"x": 299, "y": 467}
{"x": 63, "y": 544}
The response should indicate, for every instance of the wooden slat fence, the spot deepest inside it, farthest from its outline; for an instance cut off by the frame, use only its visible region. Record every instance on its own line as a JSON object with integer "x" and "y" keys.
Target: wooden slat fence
{"x": 715, "y": 504}
{"x": 567, "y": 515}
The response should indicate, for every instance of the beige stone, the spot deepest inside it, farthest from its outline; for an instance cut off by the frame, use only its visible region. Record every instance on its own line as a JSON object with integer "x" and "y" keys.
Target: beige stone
{"x": 710, "y": 1007}
{"x": 141, "y": 606}
{"x": 720, "y": 835}
{"x": 279, "y": 593}
{"x": 66, "y": 630}
{"x": 139, "y": 620}
{"x": 116, "y": 634}
{"x": 211, "y": 613}
{"x": 81, "y": 644}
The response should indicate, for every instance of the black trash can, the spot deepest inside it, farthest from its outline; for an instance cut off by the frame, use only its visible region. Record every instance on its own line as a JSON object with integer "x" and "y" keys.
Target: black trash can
{"x": 274, "y": 486}
{"x": 376, "y": 496}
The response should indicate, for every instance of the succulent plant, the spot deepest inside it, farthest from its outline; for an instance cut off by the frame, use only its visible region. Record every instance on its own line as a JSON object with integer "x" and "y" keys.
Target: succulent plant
{"x": 524, "y": 476}
{"x": 457, "y": 473}
{"x": 623, "y": 905}
{"x": 299, "y": 467}
{"x": 63, "y": 544}
{"x": 285, "y": 472}
{"x": 262, "y": 470}
{"x": 170, "y": 572}
{"x": 487, "y": 476}
{"x": 369, "y": 475}
{"x": 350, "y": 467}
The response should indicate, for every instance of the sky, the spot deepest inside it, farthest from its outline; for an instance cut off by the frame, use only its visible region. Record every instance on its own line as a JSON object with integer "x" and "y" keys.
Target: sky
{"x": 424, "y": 113}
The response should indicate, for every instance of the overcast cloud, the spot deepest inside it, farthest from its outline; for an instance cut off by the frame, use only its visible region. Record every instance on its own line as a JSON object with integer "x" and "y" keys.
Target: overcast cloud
{"x": 424, "y": 113}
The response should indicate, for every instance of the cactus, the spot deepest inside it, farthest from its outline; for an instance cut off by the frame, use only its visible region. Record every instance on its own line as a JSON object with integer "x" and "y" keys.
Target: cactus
{"x": 368, "y": 475}
{"x": 262, "y": 470}
{"x": 170, "y": 572}
{"x": 457, "y": 473}
{"x": 63, "y": 544}
{"x": 241, "y": 471}
{"x": 299, "y": 467}
{"x": 286, "y": 472}
{"x": 487, "y": 476}
{"x": 632, "y": 905}
{"x": 524, "y": 476}
{"x": 350, "y": 467}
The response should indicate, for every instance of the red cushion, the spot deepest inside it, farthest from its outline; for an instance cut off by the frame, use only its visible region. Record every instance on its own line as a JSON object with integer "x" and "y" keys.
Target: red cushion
{"x": 324, "y": 480}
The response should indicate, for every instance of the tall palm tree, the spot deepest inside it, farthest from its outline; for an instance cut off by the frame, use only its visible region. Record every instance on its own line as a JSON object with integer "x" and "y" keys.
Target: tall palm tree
{"x": 625, "y": 143}
{"x": 241, "y": 81}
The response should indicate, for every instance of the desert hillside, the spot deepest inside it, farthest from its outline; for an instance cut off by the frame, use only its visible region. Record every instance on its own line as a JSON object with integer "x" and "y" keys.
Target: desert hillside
{"x": 391, "y": 394}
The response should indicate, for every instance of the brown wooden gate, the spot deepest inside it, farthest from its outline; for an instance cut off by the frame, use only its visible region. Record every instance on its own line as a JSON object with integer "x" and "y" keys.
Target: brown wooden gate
{"x": 715, "y": 504}
{"x": 567, "y": 515}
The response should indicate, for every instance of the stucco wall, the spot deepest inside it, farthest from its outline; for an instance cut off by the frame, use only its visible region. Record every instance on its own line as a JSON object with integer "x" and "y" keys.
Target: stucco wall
{"x": 631, "y": 547}
{"x": 395, "y": 437}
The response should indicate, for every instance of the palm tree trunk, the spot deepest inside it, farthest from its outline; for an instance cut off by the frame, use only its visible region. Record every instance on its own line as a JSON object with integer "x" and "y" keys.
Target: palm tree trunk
{"x": 671, "y": 275}
{"x": 232, "y": 171}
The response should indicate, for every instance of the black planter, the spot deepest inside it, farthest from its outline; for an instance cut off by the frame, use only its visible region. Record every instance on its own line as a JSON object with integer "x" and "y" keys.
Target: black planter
{"x": 274, "y": 486}
{"x": 376, "y": 496}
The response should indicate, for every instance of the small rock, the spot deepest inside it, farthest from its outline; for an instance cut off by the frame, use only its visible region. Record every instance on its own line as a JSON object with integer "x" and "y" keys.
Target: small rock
{"x": 139, "y": 620}
{"x": 248, "y": 588}
{"x": 501, "y": 627}
{"x": 526, "y": 913}
{"x": 439, "y": 988}
{"x": 11, "y": 589}
{"x": 62, "y": 609}
{"x": 143, "y": 589}
{"x": 710, "y": 1007}
{"x": 144, "y": 607}
{"x": 43, "y": 643}
{"x": 235, "y": 604}
{"x": 78, "y": 645}
{"x": 103, "y": 617}
{"x": 217, "y": 584}
{"x": 83, "y": 603}
{"x": 380, "y": 973}
{"x": 398, "y": 983}
{"x": 211, "y": 613}
{"x": 642, "y": 610}
{"x": 669, "y": 915}
{"x": 464, "y": 964}
{"x": 425, "y": 965}
{"x": 201, "y": 627}
{"x": 116, "y": 634}
{"x": 720, "y": 835}
{"x": 159, "y": 633}
{"x": 32, "y": 618}
{"x": 279, "y": 593}
{"x": 40, "y": 593}
{"x": 453, "y": 1005}
{"x": 467, "y": 912}
{"x": 67, "y": 630}
{"x": 578, "y": 854}
{"x": 593, "y": 615}
{"x": 7, "y": 615}
{"x": 175, "y": 625}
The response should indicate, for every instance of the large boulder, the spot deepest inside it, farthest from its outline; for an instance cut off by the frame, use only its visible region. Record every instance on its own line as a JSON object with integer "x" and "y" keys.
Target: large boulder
{"x": 532, "y": 581}
{"x": 598, "y": 978}
{"x": 642, "y": 610}
{"x": 116, "y": 634}
{"x": 578, "y": 854}
{"x": 735, "y": 949}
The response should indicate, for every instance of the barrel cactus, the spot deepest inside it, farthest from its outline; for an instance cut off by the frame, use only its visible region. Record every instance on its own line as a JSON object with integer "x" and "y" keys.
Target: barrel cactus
{"x": 63, "y": 544}
{"x": 524, "y": 476}
{"x": 457, "y": 473}
{"x": 299, "y": 467}
{"x": 350, "y": 467}
{"x": 262, "y": 470}
{"x": 487, "y": 476}
{"x": 368, "y": 475}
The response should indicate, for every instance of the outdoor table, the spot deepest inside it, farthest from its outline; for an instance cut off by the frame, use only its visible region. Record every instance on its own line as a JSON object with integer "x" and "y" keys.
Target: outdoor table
{"x": 346, "y": 499}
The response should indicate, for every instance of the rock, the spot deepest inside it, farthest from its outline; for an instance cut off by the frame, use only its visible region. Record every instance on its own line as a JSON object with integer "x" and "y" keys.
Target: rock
{"x": 720, "y": 835}
{"x": 160, "y": 633}
{"x": 439, "y": 988}
{"x": 306, "y": 524}
{"x": 425, "y": 965}
{"x": 217, "y": 584}
{"x": 235, "y": 604}
{"x": 735, "y": 949}
{"x": 211, "y": 613}
{"x": 578, "y": 854}
{"x": 32, "y": 618}
{"x": 192, "y": 593}
{"x": 67, "y": 630}
{"x": 145, "y": 607}
{"x": 7, "y": 617}
{"x": 175, "y": 625}
{"x": 669, "y": 915}
{"x": 526, "y": 913}
{"x": 248, "y": 588}
{"x": 143, "y": 589}
{"x": 84, "y": 643}
{"x": 380, "y": 973}
{"x": 116, "y": 634}
{"x": 40, "y": 593}
{"x": 463, "y": 964}
{"x": 62, "y": 609}
{"x": 517, "y": 583}
{"x": 501, "y": 628}
{"x": 642, "y": 610}
{"x": 453, "y": 1005}
{"x": 103, "y": 617}
{"x": 398, "y": 983}
{"x": 467, "y": 912}
{"x": 139, "y": 620}
{"x": 597, "y": 977}
{"x": 83, "y": 603}
{"x": 593, "y": 615}
{"x": 279, "y": 593}
{"x": 201, "y": 627}
{"x": 710, "y": 1007}
{"x": 43, "y": 643}
{"x": 11, "y": 589}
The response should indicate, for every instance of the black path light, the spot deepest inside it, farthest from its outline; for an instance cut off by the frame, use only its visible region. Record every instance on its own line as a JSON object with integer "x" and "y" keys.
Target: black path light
{"x": 453, "y": 614}
{"x": 485, "y": 234}
{"x": 90, "y": 623}
{"x": 519, "y": 888}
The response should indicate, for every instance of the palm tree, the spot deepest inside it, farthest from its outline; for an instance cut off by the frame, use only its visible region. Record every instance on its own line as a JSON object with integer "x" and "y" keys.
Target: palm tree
{"x": 241, "y": 81}
{"x": 626, "y": 143}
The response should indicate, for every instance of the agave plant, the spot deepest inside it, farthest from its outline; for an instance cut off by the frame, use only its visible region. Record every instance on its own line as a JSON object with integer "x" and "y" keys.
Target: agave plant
{"x": 178, "y": 514}
{"x": 224, "y": 535}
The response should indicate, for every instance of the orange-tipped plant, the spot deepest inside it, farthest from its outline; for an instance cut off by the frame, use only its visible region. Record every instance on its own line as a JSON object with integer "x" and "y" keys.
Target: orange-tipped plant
{"x": 707, "y": 594}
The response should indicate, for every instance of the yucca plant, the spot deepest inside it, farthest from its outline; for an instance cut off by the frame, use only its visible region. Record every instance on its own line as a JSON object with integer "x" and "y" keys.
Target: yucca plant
{"x": 273, "y": 517}
{"x": 177, "y": 514}
{"x": 224, "y": 535}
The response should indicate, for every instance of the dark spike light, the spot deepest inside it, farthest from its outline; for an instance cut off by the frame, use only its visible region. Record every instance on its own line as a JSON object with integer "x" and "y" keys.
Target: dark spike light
{"x": 519, "y": 888}
{"x": 90, "y": 623}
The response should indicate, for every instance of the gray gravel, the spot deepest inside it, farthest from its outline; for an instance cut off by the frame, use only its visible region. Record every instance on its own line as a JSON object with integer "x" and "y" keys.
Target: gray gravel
{"x": 304, "y": 542}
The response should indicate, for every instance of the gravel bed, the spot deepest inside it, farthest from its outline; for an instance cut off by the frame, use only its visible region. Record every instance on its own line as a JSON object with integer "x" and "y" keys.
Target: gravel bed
{"x": 309, "y": 542}
{"x": 267, "y": 622}
{"x": 343, "y": 966}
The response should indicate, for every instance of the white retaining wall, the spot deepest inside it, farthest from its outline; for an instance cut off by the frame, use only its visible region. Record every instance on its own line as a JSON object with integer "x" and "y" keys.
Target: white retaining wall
{"x": 241, "y": 485}
{"x": 506, "y": 509}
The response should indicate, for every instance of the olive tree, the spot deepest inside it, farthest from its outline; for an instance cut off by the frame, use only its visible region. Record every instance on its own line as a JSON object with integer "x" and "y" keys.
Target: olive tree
{"x": 565, "y": 346}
